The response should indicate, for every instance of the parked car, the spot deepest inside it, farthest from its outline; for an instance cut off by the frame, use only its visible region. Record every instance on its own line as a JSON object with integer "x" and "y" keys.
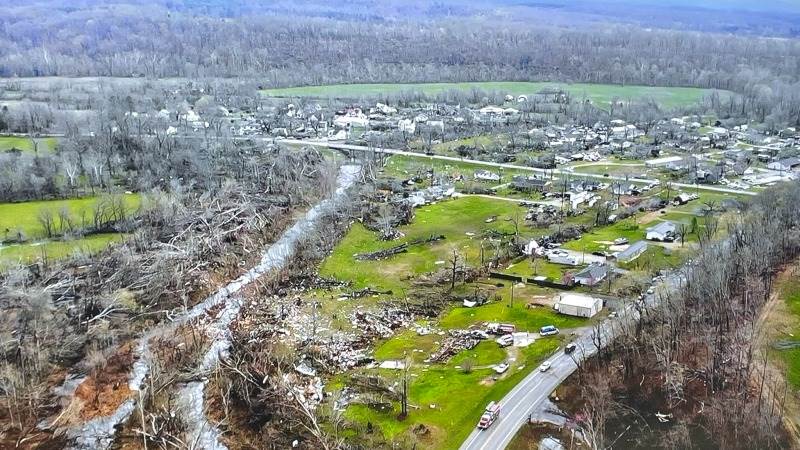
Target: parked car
{"x": 505, "y": 341}
{"x": 620, "y": 241}
{"x": 548, "y": 330}
{"x": 501, "y": 368}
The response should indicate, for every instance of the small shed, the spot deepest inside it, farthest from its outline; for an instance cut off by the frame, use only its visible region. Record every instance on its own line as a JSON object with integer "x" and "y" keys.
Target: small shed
{"x": 578, "y": 305}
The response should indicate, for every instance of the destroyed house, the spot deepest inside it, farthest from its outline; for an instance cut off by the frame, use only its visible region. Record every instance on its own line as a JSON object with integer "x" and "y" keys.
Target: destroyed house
{"x": 486, "y": 175}
{"x": 584, "y": 185}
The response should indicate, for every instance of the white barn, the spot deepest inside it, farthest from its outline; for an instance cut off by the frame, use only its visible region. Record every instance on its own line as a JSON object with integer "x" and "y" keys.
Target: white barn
{"x": 578, "y": 305}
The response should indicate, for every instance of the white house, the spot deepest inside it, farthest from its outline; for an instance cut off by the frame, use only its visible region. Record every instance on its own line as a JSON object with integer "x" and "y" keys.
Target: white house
{"x": 562, "y": 259}
{"x": 578, "y": 305}
{"x": 661, "y": 232}
{"x": 662, "y": 162}
{"x": 784, "y": 165}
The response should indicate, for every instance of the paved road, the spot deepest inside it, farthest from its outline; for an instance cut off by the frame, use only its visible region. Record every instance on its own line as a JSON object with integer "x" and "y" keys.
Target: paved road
{"x": 530, "y": 394}
{"x": 389, "y": 151}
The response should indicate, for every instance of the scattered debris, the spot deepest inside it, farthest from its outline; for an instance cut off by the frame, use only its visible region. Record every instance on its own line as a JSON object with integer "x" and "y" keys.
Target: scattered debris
{"x": 397, "y": 249}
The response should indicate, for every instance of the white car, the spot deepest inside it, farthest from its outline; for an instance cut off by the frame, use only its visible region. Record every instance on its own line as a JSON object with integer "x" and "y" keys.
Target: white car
{"x": 651, "y": 291}
{"x": 545, "y": 366}
{"x": 505, "y": 341}
{"x": 501, "y": 368}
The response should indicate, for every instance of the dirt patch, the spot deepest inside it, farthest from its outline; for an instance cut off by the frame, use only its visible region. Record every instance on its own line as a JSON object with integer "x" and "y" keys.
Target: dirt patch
{"x": 650, "y": 216}
{"x": 106, "y": 388}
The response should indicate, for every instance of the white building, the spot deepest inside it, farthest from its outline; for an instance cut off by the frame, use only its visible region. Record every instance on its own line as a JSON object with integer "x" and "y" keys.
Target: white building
{"x": 485, "y": 175}
{"x": 662, "y": 162}
{"x": 578, "y": 305}
{"x": 661, "y": 232}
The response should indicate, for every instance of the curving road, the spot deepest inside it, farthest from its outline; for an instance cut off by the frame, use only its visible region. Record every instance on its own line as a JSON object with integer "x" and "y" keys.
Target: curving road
{"x": 531, "y": 392}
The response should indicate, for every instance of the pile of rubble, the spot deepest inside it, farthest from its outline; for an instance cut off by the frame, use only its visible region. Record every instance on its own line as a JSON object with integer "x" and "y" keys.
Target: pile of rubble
{"x": 397, "y": 249}
{"x": 543, "y": 214}
{"x": 455, "y": 342}
{"x": 381, "y": 324}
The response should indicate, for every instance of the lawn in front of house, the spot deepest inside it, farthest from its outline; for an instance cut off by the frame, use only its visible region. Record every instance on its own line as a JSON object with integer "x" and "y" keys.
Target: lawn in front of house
{"x": 521, "y": 313}
{"x": 600, "y": 238}
{"x": 403, "y": 167}
{"x": 539, "y": 267}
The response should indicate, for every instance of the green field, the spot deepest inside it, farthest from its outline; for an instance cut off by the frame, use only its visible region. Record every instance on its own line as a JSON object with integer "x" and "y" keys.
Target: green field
{"x": 524, "y": 317}
{"x": 787, "y": 327}
{"x": 448, "y": 401}
{"x": 54, "y": 250}
{"x": 453, "y": 219}
{"x": 24, "y": 216}
{"x": 601, "y": 94}
{"x": 27, "y": 144}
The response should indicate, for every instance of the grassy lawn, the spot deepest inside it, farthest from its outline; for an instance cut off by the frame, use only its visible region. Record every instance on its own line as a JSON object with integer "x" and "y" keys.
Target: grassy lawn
{"x": 539, "y": 267}
{"x": 401, "y": 166}
{"x": 53, "y": 250}
{"x": 656, "y": 258}
{"x": 598, "y": 238}
{"x": 618, "y": 170}
{"x": 27, "y": 144}
{"x": 23, "y": 216}
{"x": 402, "y": 345}
{"x": 601, "y": 94}
{"x": 526, "y": 319}
{"x": 787, "y": 326}
{"x": 449, "y": 401}
{"x": 449, "y": 147}
{"x": 453, "y": 219}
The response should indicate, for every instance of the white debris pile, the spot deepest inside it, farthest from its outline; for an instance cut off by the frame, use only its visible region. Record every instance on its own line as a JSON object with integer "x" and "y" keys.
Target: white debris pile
{"x": 455, "y": 342}
{"x": 381, "y": 324}
{"x": 308, "y": 390}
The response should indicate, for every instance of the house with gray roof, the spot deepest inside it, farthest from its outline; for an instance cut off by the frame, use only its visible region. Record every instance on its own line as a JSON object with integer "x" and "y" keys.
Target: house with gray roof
{"x": 664, "y": 231}
{"x": 632, "y": 252}
{"x": 592, "y": 274}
